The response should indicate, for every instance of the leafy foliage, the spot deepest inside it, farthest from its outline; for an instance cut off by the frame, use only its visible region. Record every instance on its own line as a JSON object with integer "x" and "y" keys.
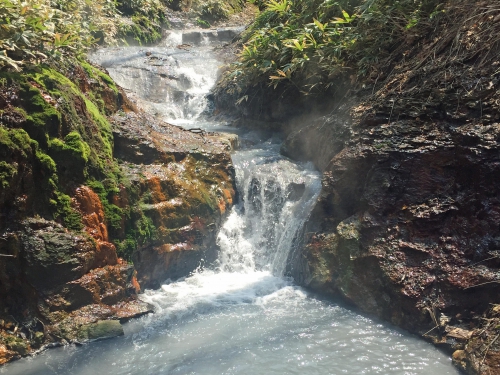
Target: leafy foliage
{"x": 310, "y": 43}
{"x": 214, "y": 10}
{"x": 35, "y": 30}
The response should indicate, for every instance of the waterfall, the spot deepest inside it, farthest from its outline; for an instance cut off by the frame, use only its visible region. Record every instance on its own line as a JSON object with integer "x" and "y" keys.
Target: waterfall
{"x": 277, "y": 196}
{"x": 239, "y": 316}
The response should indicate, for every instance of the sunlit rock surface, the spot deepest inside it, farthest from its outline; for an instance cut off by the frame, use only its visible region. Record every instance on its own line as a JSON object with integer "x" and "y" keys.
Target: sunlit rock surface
{"x": 137, "y": 187}
{"x": 185, "y": 183}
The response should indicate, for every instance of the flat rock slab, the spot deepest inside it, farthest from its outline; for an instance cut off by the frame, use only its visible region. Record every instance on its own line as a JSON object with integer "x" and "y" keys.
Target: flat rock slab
{"x": 103, "y": 329}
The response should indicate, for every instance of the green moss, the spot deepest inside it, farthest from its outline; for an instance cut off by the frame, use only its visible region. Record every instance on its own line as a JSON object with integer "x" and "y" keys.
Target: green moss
{"x": 126, "y": 248}
{"x": 97, "y": 74}
{"x": 72, "y": 154}
{"x": 7, "y": 173}
{"x": 106, "y": 134}
{"x": 16, "y": 344}
{"x": 112, "y": 212}
{"x": 53, "y": 80}
{"x": 69, "y": 216}
{"x": 144, "y": 29}
{"x": 65, "y": 139}
{"x": 203, "y": 24}
{"x": 146, "y": 230}
{"x": 15, "y": 140}
{"x": 41, "y": 116}
{"x": 47, "y": 163}
{"x": 79, "y": 147}
{"x": 73, "y": 149}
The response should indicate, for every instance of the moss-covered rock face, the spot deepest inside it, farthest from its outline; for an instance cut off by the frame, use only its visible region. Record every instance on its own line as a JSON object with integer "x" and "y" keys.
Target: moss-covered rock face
{"x": 53, "y": 137}
{"x": 80, "y": 190}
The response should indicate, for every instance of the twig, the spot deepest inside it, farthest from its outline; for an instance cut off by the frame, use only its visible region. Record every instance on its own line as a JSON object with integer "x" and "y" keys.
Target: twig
{"x": 375, "y": 84}
{"x": 485, "y": 328}
{"x": 487, "y": 349}
{"x": 432, "y": 329}
{"x": 390, "y": 116}
{"x": 489, "y": 282}
{"x": 7, "y": 255}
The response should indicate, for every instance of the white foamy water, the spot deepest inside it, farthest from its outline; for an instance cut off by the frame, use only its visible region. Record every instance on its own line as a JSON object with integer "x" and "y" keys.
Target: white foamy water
{"x": 242, "y": 315}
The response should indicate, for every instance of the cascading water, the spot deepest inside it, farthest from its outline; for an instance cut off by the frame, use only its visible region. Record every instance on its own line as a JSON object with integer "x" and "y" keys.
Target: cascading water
{"x": 241, "y": 316}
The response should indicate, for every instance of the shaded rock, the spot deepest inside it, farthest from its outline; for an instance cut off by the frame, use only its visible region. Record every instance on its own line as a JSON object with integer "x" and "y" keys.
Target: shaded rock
{"x": 295, "y": 191}
{"x": 53, "y": 255}
{"x": 192, "y": 37}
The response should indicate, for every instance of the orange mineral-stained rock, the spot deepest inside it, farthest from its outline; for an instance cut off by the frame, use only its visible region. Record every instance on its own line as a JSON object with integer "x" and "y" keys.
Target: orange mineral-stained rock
{"x": 90, "y": 206}
{"x": 5, "y": 354}
{"x": 157, "y": 194}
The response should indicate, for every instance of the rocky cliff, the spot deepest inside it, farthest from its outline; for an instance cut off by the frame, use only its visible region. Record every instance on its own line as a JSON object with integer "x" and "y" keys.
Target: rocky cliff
{"x": 89, "y": 183}
{"x": 407, "y": 226}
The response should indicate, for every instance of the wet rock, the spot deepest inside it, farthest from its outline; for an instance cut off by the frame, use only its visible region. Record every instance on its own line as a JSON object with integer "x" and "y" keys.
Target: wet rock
{"x": 221, "y": 35}
{"x": 53, "y": 279}
{"x": 459, "y": 359}
{"x": 185, "y": 183}
{"x": 295, "y": 191}
{"x": 54, "y": 256}
{"x": 100, "y": 330}
{"x": 318, "y": 141}
{"x": 192, "y": 37}
{"x": 228, "y": 35}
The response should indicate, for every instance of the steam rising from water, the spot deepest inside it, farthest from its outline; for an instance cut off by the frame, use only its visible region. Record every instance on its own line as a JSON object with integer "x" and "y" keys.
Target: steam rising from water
{"x": 241, "y": 316}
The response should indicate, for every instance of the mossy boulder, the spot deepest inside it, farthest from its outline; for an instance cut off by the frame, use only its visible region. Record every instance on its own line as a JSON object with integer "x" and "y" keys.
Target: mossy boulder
{"x": 100, "y": 330}
{"x": 17, "y": 345}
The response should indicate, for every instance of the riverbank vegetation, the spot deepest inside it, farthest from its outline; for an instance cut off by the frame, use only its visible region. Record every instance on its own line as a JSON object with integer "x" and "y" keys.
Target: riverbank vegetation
{"x": 311, "y": 44}
{"x": 35, "y": 31}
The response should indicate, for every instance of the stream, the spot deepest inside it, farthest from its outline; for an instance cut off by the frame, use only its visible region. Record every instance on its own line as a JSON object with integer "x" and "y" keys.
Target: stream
{"x": 241, "y": 315}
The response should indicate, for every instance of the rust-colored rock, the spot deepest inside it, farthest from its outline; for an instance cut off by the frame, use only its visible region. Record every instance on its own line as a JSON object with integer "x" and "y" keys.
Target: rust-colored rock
{"x": 185, "y": 182}
{"x": 5, "y": 354}
{"x": 52, "y": 278}
{"x": 90, "y": 206}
